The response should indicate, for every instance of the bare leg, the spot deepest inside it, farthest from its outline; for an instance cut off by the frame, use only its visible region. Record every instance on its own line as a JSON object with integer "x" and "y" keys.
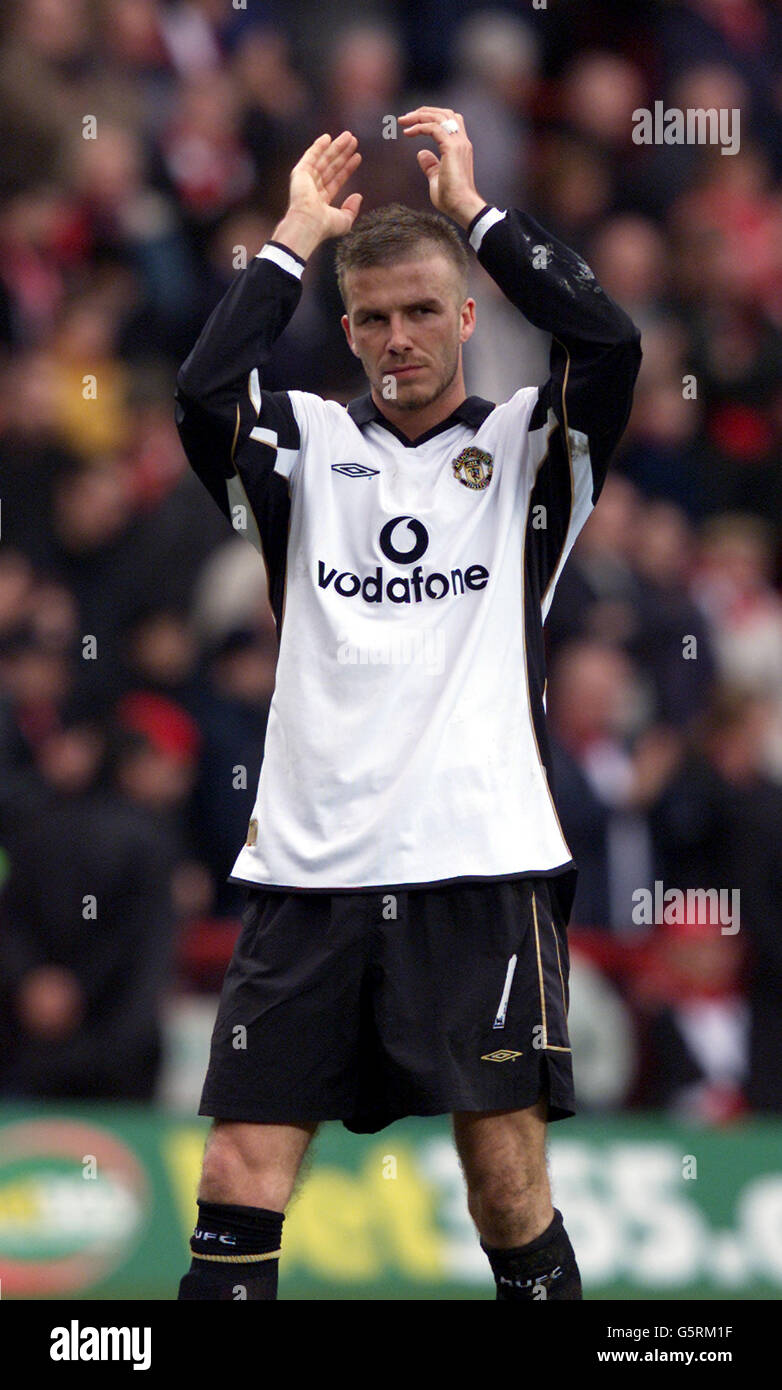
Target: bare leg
{"x": 253, "y": 1165}
{"x": 503, "y": 1156}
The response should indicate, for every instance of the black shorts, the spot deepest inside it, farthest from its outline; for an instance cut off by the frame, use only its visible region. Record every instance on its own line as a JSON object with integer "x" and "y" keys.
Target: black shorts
{"x": 367, "y": 1007}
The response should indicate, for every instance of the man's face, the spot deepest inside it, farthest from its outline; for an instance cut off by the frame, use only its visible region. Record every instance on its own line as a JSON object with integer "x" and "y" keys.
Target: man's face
{"x": 406, "y": 322}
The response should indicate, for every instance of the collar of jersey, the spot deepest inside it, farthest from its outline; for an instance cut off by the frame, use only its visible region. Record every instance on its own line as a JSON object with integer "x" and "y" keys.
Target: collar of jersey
{"x": 472, "y": 411}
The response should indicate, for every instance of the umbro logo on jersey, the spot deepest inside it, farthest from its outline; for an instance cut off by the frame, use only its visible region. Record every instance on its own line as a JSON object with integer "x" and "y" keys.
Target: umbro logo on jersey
{"x": 503, "y": 1054}
{"x": 354, "y": 470}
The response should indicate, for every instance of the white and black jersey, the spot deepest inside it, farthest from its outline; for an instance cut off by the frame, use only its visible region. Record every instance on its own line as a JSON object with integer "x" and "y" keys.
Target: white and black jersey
{"x": 406, "y": 742}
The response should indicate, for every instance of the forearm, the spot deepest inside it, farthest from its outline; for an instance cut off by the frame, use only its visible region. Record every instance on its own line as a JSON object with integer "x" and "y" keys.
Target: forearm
{"x": 469, "y": 209}
{"x": 546, "y": 280}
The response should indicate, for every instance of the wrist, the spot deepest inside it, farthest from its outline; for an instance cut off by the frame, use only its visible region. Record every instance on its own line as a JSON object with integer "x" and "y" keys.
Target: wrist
{"x": 468, "y": 210}
{"x": 299, "y": 235}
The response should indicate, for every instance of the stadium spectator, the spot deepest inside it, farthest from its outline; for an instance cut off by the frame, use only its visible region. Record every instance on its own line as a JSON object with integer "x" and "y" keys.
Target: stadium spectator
{"x": 716, "y": 826}
{"x": 733, "y": 588}
{"x": 232, "y": 708}
{"x": 673, "y": 644}
{"x": 697, "y": 1034}
{"x": 113, "y": 251}
{"x": 495, "y": 59}
{"x": 85, "y": 948}
{"x": 602, "y": 784}
{"x": 600, "y": 593}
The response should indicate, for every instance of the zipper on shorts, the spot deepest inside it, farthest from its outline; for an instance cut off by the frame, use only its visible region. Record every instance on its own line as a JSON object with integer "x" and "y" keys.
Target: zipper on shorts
{"x": 499, "y": 1021}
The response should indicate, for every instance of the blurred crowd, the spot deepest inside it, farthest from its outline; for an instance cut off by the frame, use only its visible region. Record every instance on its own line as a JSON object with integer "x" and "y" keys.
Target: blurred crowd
{"x": 144, "y": 158}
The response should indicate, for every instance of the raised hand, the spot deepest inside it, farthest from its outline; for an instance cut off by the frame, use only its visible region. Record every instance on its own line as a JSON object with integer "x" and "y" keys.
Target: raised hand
{"x": 451, "y": 181}
{"x": 314, "y": 183}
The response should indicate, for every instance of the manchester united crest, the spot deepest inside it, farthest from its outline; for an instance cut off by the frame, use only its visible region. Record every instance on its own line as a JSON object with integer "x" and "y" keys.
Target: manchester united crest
{"x": 474, "y": 468}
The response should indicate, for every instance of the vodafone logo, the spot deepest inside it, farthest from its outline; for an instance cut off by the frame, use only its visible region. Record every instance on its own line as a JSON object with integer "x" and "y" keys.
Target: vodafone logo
{"x": 404, "y": 540}
{"x": 414, "y": 552}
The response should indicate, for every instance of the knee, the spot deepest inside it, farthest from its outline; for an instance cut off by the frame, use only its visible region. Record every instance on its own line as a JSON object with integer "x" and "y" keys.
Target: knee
{"x": 224, "y": 1167}
{"x": 234, "y": 1171}
{"x": 506, "y": 1203}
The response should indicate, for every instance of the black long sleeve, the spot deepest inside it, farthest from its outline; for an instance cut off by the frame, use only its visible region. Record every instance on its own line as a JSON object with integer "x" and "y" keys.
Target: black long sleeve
{"x": 585, "y": 402}
{"x": 214, "y": 410}
{"x": 595, "y": 350}
{"x": 233, "y": 432}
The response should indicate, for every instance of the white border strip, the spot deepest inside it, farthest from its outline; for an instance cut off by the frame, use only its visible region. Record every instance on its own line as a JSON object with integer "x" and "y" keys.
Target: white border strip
{"x": 485, "y": 221}
{"x": 282, "y": 259}
{"x": 499, "y": 1021}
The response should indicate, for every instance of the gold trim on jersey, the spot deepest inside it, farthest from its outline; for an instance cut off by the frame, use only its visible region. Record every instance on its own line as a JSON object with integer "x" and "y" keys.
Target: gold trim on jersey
{"x": 541, "y": 764}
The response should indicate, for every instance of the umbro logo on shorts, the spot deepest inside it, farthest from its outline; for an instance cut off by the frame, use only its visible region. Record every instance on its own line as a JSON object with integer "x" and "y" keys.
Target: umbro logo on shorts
{"x": 503, "y": 1054}
{"x": 354, "y": 470}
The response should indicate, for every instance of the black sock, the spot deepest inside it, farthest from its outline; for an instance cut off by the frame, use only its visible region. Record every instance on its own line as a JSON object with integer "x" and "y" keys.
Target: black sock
{"x": 235, "y": 1254}
{"x": 545, "y": 1268}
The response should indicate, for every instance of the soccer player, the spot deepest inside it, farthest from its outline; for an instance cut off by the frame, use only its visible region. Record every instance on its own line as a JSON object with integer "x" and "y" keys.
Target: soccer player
{"x": 403, "y": 947}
